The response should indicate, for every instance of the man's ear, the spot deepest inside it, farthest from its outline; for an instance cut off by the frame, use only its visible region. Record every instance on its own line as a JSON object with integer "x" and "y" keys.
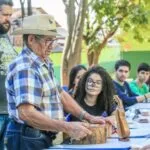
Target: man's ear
{"x": 31, "y": 39}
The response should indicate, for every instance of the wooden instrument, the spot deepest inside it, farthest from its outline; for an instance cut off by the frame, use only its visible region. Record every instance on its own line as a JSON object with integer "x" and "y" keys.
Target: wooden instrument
{"x": 122, "y": 125}
{"x": 98, "y": 136}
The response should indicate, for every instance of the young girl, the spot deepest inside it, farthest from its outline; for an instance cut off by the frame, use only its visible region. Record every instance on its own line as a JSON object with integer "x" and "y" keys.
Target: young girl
{"x": 95, "y": 92}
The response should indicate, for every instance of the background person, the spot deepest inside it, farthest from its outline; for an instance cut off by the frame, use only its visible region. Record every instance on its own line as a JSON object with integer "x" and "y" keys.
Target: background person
{"x": 123, "y": 90}
{"x": 7, "y": 53}
{"x": 75, "y": 75}
{"x": 139, "y": 85}
{"x": 148, "y": 83}
{"x": 95, "y": 92}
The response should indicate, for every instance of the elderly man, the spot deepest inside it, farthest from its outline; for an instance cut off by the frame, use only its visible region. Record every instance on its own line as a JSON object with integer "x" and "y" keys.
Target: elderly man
{"x": 7, "y": 53}
{"x": 35, "y": 99}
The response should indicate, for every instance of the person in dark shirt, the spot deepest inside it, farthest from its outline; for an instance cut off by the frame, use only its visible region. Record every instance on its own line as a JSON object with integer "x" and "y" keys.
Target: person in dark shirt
{"x": 122, "y": 69}
{"x": 7, "y": 54}
{"x": 95, "y": 92}
{"x": 75, "y": 75}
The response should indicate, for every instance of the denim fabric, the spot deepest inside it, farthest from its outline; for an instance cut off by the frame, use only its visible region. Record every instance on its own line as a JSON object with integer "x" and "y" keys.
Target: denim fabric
{"x": 22, "y": 137}
{"x": 3, "y": 124}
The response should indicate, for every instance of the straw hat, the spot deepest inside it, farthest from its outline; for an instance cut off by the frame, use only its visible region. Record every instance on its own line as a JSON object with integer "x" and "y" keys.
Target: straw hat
{"x": 42, "y": 24}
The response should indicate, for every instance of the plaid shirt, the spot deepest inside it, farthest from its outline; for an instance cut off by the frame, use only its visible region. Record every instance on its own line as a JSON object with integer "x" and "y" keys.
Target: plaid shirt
{"x": 31, "y": 81}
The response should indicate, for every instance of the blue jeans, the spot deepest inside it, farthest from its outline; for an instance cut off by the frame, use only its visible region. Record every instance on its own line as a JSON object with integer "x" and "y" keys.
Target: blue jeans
{"x": 23, "y": 137}
{"x": 3, "y": 125}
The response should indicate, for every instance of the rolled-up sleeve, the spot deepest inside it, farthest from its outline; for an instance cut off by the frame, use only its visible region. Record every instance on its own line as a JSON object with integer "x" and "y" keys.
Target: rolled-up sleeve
{"x": 28, "y": 88}
{"x": 126, "y": 99}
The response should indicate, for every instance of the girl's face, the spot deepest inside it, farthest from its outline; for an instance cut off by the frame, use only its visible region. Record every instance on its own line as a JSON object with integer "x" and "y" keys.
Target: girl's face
{"x": 93, "y": 84}
{"x": 78, "y": 77}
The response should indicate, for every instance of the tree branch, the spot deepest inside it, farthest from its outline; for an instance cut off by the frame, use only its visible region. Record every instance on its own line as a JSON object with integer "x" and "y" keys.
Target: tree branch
{"x": 77, "y": 2}
{"x": 65, "y": 3}
{"x": 103, "y": 33}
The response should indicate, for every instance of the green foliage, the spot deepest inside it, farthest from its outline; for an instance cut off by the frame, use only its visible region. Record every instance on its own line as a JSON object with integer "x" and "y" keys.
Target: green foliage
{"x": 104, "y": 17}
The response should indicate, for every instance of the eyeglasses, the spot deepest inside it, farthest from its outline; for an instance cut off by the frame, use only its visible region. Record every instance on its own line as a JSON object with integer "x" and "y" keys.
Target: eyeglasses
{"x": 97, "y": 83}
{"x": 47, "y": 42}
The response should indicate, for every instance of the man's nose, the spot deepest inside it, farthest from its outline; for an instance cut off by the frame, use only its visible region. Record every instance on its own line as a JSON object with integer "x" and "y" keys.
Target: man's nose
{"x": 124, "y": 73}
{"x": 7, "y": 18}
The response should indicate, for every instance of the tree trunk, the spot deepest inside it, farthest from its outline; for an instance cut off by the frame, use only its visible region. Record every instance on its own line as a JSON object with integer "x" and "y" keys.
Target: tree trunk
{"x": 72, "y": 50}
{"x": 22, "y": 8}
{"x": 29, "y": 8}
{"x": 93, "y": 57}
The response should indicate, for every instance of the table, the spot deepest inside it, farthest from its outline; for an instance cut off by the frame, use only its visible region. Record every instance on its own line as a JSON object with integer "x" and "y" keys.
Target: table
{"x": 137, "y": 137}
{"x": 112, "y": 144}
{"x": 140, "y": 106}
{"x": 139, "y": 134}
{"x": 136, "y": 133}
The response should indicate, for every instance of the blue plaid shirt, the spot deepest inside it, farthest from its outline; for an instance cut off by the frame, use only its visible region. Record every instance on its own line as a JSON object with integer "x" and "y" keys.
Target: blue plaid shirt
{"x": 31, "y": 81}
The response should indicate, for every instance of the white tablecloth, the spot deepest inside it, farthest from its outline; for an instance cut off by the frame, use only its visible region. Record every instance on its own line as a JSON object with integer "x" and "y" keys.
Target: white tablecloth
{"x": 141, "y": 106}
{"x": 139, "y": 135}
{"x": 112, "y": 144}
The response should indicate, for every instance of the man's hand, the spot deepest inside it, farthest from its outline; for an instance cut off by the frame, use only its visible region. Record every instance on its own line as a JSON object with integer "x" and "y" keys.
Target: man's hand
{"x": 101, "y": 120}
{"x": 111, "y": 120}
{"x": 147, "y": 95}
{"x": 93, "y": 119}
{"x": 78, "y": 130}
{"x": 97, "y": 120}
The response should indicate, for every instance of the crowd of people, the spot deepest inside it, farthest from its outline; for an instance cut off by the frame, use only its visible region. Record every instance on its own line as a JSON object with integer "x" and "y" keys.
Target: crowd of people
{"x": 33, "y": 112}
{"x": 124, "y": 90}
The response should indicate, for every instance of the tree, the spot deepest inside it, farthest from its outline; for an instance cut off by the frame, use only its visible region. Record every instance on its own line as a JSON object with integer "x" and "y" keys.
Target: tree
{"x": 104, "y": 17}
{"x": 22, "y": 2}
{"x": 72, "y": 50}
{"x": 29, "y": 7}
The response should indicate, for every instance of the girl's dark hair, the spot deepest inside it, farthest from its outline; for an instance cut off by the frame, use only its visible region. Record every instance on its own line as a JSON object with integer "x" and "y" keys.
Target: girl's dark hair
{"x": 105, "y": 98}
{"x": 74, "y": 71}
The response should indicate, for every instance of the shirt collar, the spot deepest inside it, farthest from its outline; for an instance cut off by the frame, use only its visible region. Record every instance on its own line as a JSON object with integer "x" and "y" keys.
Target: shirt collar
{"x": 37, "y": 59}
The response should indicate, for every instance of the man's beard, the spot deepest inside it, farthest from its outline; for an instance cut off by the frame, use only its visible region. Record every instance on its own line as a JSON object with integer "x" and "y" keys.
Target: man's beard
{"x": 3, "y": 28}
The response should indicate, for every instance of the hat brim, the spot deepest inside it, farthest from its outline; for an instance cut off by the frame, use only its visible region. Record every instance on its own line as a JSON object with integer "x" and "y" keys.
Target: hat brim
{"x": 21, "y": 31}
